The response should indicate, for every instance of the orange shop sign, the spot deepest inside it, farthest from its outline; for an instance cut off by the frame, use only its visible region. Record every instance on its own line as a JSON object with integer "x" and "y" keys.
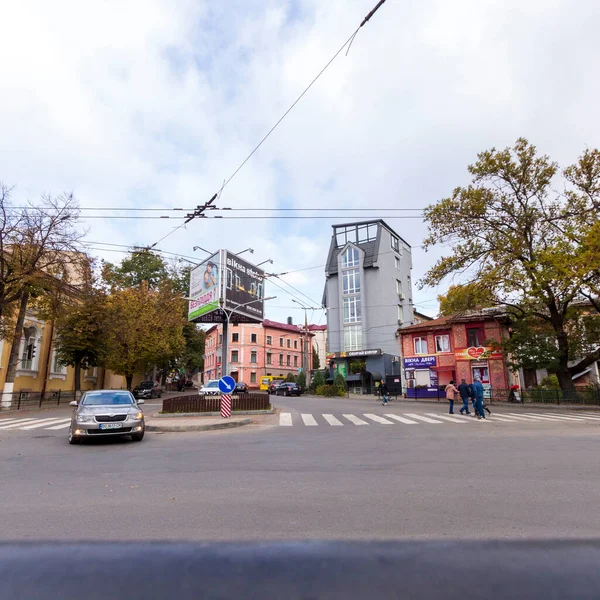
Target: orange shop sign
{"x": 477, "y": 353}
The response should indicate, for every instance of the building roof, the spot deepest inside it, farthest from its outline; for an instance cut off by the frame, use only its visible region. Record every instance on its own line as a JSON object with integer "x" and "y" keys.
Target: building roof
{"x": 371, "y": 249}
{"x": 486, "y": 314}
{"x": 433, "y": 324}
{"x": 317, "y": 327}
{"x": 422, "y": 316}
{"x": 283, "y": 326}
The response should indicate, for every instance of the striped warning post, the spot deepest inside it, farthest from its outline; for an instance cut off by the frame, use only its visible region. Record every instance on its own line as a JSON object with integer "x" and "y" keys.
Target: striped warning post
{"x": 225, "y": 405}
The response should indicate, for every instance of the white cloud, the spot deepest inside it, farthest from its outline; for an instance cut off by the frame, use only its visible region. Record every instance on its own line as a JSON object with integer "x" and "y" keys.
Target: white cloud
{"x": 154, "y": 103}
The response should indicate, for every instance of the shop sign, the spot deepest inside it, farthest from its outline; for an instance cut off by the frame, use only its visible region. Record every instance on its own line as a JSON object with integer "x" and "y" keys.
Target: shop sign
{"x": 477, "y": 353}
{"x": 354, "y": 353}
{"x": 420, "y": 362}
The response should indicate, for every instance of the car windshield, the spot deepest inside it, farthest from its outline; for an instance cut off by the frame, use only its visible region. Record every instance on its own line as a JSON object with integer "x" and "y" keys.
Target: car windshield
{"x": 211, "y": 384}
{"x": 106, "y": 398}
{"x": 146, "y": 385}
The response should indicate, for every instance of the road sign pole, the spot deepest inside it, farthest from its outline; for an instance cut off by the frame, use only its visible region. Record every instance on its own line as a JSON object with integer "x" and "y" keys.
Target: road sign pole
{"x": 225, "y": 406}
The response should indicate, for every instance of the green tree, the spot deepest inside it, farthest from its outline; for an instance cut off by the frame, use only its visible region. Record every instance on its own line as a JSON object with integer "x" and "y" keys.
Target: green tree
{"x": 460, "y": 299}
{"x": 139, "y": 267}
{"x": 316, "y": 361}
{"x": 143, "y": 327}
{"x": 339, "y": 385}
{"x": 533, "y": 248}
{"x": 301, "y": 380}
{"x": 317, "y": 381}
{"x": 290, "y": 378}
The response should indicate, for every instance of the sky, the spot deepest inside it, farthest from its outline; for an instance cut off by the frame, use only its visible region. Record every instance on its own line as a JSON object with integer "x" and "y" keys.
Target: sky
{"x": 154, "y": 104}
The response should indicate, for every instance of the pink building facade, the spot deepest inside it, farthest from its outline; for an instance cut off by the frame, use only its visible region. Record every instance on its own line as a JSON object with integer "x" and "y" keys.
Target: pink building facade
{"x": 270, "y": 348}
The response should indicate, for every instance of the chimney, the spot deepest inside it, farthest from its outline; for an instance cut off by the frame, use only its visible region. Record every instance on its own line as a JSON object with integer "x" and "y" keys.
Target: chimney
{"x": 289, "y": 321}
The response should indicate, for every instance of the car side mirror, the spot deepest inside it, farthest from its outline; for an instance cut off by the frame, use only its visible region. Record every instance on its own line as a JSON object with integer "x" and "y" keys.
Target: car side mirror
{"x": 140, "y": 401}
{"x": 73, "y": 403}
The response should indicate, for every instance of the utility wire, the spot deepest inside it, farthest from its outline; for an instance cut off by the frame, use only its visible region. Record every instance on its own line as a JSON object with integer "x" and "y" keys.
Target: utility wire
{"x": 285, "y": 114}
{"x": 240, "y": 209}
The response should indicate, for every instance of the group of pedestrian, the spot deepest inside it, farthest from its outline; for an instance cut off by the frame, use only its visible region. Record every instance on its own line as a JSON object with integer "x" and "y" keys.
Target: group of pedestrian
{"x": 472, "y": 392}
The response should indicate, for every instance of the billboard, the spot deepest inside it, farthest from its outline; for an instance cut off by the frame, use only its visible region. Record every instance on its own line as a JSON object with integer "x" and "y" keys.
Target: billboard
{"x": 243, "y": 288}
{"x": 205, "y": 288}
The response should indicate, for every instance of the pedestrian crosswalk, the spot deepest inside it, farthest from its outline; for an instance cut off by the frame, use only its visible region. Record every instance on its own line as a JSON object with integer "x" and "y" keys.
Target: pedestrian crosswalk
{"x": 287, "y": 419}
{"x": 32, "y": 423}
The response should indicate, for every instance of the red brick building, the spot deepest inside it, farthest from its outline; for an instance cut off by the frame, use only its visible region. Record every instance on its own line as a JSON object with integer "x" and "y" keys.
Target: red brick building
{"x": 452, "y": 348}
{"x": 270, "y": 348}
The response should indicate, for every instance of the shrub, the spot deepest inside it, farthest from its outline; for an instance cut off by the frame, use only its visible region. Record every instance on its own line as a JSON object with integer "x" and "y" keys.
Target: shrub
{"x": 325, "y": 390}
{"x": 301, "y": 380}
{"x": 318, "y": 380}
{"x": 290, "y": 378}
{"x": 339, "y": 383}
{"x": 550, "y": 383}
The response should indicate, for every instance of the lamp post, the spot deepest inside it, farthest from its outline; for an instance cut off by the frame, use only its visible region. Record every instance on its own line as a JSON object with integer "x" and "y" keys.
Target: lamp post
{"x": 304, "y": 350}
{"x": 224, "y": 356}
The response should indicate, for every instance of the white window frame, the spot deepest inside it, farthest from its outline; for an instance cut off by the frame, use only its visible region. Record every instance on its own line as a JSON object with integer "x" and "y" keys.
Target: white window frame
{"x": 237, "y": 356}
{"x": 351, "y": 281}
{"x": 269, "y": 340}
{"x": 395, "y": 243}
{"x": 398, "y": 286}
{"x": 352, "y": 309}
{"x": 418, "y": 345}
{"x": 93, "y": 376}
{"x": 253, "y": 354}
{"x": 400, "y": 313}
{"x": 352, "y": 338}
{"x": 397, "y": 262}
{"x": 350, "y": 258}
{"x": 441, "y": 341}
{"x": 253, "y": 377}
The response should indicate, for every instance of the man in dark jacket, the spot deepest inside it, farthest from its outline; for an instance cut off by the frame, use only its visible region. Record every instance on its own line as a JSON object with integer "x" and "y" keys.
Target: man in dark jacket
{"x": 384, "y": 393}
{"x": 464, "y": 390}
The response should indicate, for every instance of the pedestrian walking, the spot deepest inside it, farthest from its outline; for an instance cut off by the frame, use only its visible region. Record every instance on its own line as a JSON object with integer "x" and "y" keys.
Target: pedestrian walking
{"x": 451, "y": 392}
{"x": 384, "y": 393}
{"x": 463, "y": 390}
{"x": 478, "y": 389}
{"x": 472, "y": 399}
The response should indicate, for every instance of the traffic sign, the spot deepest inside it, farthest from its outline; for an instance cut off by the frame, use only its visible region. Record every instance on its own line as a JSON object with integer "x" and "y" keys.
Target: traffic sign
{"x": 226, "y": 384}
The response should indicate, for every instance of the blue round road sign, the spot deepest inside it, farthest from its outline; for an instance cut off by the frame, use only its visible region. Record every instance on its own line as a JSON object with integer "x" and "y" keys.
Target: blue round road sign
{"x": 226, "y": 384}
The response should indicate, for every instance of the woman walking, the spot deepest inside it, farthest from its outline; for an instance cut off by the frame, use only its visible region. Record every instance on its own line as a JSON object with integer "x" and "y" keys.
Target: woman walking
{"x": 451, "y": 392}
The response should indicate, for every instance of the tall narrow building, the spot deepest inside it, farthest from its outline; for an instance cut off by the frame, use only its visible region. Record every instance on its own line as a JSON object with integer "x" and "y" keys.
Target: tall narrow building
{"x": 368, "y": 296}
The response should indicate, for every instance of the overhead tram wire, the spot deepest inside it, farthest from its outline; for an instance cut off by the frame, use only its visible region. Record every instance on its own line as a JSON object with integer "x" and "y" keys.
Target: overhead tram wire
{"x": 265, "y": 137}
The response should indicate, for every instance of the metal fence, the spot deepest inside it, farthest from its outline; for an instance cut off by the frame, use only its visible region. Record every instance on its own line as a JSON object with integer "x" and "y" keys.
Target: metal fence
{"x": 195, "y": 403}
{"x": 21, "y": 400}
{"x": 589, "y": 395}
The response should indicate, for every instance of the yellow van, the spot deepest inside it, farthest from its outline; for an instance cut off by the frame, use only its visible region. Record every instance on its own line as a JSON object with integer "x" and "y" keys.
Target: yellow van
{"x": 266, "y": 380}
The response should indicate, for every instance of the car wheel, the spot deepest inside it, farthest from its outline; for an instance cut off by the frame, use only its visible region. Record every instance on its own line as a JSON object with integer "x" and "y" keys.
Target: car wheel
{"x": 138, "y": 437}
{"x": 73, "y": 440}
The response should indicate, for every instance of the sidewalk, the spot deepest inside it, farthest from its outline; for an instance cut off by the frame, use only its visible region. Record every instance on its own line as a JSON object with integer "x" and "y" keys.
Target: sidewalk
{"x": 186, "y": 424}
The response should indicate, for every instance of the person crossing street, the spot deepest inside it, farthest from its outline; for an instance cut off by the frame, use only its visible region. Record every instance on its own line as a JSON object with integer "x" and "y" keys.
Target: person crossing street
{"x": 478, "y": 391}
{"x": 383, "y": 388}
{"x": 451, "y": 392}
{"x": 463, "y": 390}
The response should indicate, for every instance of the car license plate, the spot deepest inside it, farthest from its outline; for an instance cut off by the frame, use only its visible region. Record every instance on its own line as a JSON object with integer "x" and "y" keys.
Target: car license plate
{"x": 111, "y": 425}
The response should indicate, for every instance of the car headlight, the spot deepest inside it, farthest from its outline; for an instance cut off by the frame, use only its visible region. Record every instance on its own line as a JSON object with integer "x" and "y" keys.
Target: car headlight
{"x": 136, "y": 416}
{"x": 84, "y": 418}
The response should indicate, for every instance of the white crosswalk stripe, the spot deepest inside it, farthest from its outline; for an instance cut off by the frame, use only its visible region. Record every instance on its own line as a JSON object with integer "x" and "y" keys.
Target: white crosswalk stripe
{"x": 401, "y": 419}
{"x": 45, "y": 424}
{"x": 61, "y": 426}
{"x": 503, "y": 418}
{"x": 285, "y": 419}
{"x": 354, "y": 419}
{"x": 333, "y": 421}
{"x": 378, "y": 419}
{"x": 17, "y": 423}
{"x": 7, "y": 421}
{"x": 309, "y": 420}
{"x": 422, "y": 418}
{"x": 446, "y": 418}
{"x": 557, "y": 417}
{"x": 522, "y": 418}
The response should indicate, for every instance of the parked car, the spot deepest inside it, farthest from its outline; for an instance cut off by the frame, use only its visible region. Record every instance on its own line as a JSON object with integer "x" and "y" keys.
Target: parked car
{"x": 106, "y": 413}
{"x": 275, "y": 383}
{"x": 240, "y": 388}
{"x": 148, "y": 389}
{"x": 210, "y": 387}
{"x": 288, "y": 389}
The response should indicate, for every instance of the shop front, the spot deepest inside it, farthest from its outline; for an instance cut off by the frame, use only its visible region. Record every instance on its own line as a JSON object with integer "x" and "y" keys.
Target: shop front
{"x": 479, "y": 363}
{"x": 421, "y": 376}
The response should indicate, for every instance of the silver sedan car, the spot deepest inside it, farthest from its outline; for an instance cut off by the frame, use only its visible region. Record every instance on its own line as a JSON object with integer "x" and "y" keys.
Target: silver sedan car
{"x": 102, "y": 413}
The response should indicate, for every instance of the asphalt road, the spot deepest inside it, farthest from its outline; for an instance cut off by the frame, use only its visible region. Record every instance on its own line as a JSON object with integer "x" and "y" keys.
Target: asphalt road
{"x": 528, "y": 478}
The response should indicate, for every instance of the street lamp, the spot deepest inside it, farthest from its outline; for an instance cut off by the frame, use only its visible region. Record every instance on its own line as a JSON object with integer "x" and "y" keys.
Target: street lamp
{"x": 201, "y": 248}
{"x": 305, "y": 351}
{"x": 269, "y": 260}
{"x": 251, "y": 250}
{"x": 224, "y": 351}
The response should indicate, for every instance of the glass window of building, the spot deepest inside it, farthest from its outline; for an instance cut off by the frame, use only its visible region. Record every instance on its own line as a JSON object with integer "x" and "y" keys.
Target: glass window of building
{"x": 234, "y": 356}
{"x": 398, "y": 286}
{"x": 395, "y": 243}
{"x": 289, "y": 360}
{"x": 269, "y": 340}
{"x": 400, "y": 314}
{"x": 281, "y": 359}
{"x": 235, "y": 337}
{"x": 352, "y": 311}
{"x": 289, "y": 343}
{"x": 269, "y": 358}
{"x": 295, "y": 361}
{"x": 420, "y": 345}
{"x": 253, "y": 337}
{"x": 281, "y": 342}
{"x": 442, "y": 343}
{"x": 397, "y": 262}
{"x": 252, "y": 377}
{"x": 353, "y": 338}
{"x": 351, "y": 281}
{"x": 350, "y": 258}
{"x": 295, "y": 344}
{"x": 253, "y": 356}
{"x": 475, "y": 336}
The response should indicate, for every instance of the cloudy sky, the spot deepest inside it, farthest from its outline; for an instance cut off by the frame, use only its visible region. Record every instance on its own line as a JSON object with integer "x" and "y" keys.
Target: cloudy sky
{"x": 154, "y": 103}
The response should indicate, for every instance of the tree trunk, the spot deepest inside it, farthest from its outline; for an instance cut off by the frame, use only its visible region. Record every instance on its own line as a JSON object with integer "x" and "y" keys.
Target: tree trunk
{"x": 129, "y": 379}
{"x": 77, "y": 376}
{"x": 13, "y": 360}
{"x": 563, "y": 372}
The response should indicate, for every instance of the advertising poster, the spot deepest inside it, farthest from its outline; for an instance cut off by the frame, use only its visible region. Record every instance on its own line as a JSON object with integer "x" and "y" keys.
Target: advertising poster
{"x": 244, "y": 285}
{"x": 205, "y": 288}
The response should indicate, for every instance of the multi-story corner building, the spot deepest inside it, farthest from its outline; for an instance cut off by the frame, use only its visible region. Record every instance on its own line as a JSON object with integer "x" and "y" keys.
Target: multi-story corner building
{"x": 319, "y": 341}
{"x": 255, "y": 349}
{"x": 368, "y": 296}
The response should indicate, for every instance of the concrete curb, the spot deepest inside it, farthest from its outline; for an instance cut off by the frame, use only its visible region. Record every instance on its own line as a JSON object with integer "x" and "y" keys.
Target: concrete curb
{"x": 172, "y": 428}
{"x": 212, "y": 414}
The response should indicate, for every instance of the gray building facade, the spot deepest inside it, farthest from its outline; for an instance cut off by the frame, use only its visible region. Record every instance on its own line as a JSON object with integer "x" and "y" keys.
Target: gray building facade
{"x": 368, "y": 296}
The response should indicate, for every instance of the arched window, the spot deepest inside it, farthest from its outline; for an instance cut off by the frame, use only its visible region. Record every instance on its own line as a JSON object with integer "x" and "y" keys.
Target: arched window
{"x": 30, "y": 348}
{"x": 350, "y": 258}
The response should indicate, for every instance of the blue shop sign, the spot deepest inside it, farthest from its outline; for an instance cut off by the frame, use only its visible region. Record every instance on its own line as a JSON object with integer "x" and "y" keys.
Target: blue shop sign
{"x": 419, "y": 362}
